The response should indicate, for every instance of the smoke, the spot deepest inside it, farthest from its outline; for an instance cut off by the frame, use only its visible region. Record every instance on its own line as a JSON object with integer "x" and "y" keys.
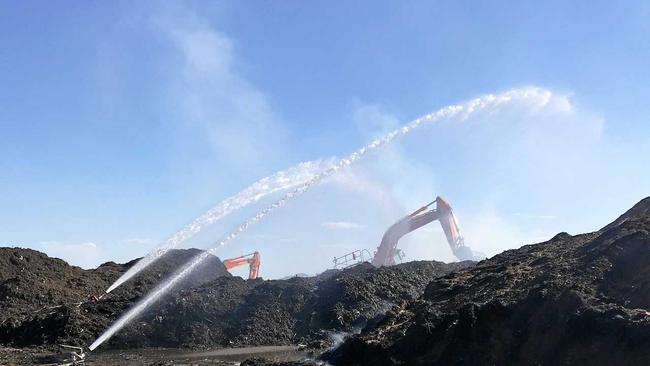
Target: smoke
{"x": 337, "y": 338}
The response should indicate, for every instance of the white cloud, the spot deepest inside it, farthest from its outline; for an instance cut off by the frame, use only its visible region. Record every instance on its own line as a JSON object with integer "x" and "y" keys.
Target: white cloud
{"x": 84, "y": 254}
{"x": 342, "y": 248}
{"x": 341, "y": 225}
{"x": 286, "y": 241}
{"x": 56, "y": 244}
{"x": 400, "y": 176}
{"x": 372, "y": 120}
{"x": 258, "y": 236}
{"x": 139, "y": 241}
{"x": 224, "y": 120}
{"x": 535, "y": 216}
{"x": 488, "y": 231}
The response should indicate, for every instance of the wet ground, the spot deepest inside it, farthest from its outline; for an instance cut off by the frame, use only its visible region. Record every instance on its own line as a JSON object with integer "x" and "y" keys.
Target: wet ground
{"x": 225, "y": 356}
{"x": 156, "y": 356}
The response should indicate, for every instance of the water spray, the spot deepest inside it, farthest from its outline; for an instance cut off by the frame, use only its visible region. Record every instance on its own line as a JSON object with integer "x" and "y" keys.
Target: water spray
{"x": 536, "y": 97}
{"x": 279, "y": 181}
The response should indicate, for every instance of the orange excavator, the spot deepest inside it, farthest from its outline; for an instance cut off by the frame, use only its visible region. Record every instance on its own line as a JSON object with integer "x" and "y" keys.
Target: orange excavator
{"x": 252, "y": 259}
{"x": 387, "y": 250}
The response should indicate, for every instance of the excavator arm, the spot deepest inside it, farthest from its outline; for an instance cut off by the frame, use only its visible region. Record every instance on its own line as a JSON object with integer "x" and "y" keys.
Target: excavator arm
{"x": 252, "y": 259}
{"x": 385, "y": 255}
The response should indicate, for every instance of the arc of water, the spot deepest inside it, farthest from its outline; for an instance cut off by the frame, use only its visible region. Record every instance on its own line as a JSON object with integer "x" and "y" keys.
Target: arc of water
{"x": 279, "y": 181}
{"x": 537, "y": 98}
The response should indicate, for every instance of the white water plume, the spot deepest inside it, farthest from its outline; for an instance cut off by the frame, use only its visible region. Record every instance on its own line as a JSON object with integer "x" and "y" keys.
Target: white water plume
{"x": 282, "y": 180}
{"x": 533, "y": 98}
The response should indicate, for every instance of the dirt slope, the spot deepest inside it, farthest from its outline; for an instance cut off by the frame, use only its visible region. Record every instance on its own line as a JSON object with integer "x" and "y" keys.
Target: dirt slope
{"x": 573, "y": 300}
{"x": 44, "y": 300}
{"x": 234, "y": 312}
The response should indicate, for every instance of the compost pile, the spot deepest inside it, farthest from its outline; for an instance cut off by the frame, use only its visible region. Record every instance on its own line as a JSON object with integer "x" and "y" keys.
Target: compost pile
{"x": 573, "y": 300}
{"x": 231, "y": 311}
{"x": 45, "y": 302}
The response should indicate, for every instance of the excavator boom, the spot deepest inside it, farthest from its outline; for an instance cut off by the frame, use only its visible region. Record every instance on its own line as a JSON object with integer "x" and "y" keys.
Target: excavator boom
{"x": 385, "y": 255}
{"x": 252, "y": 259}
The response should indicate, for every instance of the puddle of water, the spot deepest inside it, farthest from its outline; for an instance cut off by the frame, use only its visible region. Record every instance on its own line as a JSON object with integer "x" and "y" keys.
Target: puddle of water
{"x": 222, "y": 356}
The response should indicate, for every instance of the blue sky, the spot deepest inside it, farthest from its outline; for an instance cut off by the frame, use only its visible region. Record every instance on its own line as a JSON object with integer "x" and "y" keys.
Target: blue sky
{"x": 120, "y": 122}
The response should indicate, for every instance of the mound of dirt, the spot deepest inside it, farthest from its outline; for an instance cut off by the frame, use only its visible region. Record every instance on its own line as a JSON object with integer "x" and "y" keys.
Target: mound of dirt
{"x": 46, "y": 301}
{"x": 299, "y": 310}
{"x": 573, "y": 300}
{"x": 639, "y": 210}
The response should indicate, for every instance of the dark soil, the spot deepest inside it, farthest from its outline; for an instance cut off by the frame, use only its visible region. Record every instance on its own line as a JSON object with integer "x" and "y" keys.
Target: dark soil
{"x": 230, "y": 311}
{"x": 574, "y": 300}
{"x": 45, "y": 303}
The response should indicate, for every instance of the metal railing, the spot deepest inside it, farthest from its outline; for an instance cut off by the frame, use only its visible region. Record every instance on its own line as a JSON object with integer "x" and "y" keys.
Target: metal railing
{"x": 352, "y": 259}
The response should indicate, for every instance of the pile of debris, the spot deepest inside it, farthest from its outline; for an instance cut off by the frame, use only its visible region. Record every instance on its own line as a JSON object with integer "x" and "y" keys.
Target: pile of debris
{"x": 573, "y": 300}
{"x": 230, "y": 311}
{"x": 582, "y": 299}
{"x": 45, "y": 302}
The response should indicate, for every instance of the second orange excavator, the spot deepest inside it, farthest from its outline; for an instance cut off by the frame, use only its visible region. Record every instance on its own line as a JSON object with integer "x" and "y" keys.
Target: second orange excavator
{"x": 252, "y": 259}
